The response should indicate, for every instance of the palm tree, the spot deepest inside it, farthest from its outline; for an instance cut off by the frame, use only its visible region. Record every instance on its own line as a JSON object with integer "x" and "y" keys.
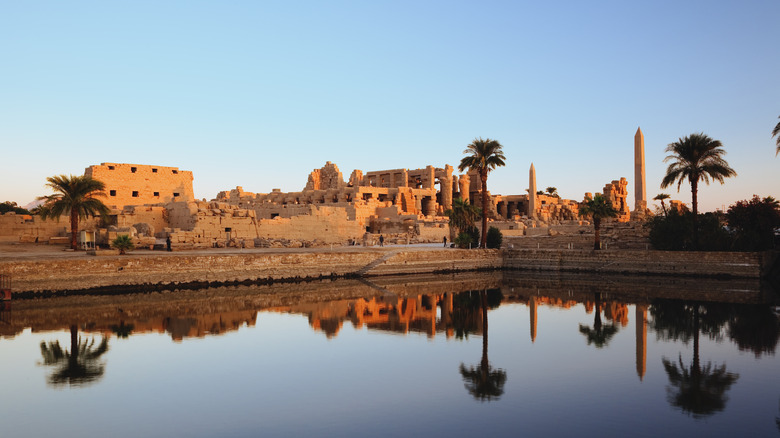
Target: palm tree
{"x": 598, "y": 208}
{"x": 483, "y": 382}
{"x": 483, "y": 156}
{"x": 123, "y": 243}
{"x": 78, "y": 366}
{"x": 463, "y": 216}
{"x": 552, "y": 191}
{"x": 661, "y": 197}
{"x": 74, "y": 195}
{"x": 696, "y": 157}
{"x": 776, "y": 133}
{"x": 599, "y": 335}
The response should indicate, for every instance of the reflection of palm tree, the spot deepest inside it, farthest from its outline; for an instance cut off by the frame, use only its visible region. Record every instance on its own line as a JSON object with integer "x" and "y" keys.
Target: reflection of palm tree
{"x": 599, "y": 335}
{"x": 122, "y": 330}
{"x": 696, "y": 390}
{"x": 482, "y": 381}
{"x": 80, "y": 365}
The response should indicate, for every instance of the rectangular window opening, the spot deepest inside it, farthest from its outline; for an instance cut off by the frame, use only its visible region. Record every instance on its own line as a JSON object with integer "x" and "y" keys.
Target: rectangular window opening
{"x": 175, "y": 195}
{"x": 154, "y": 170}
{"x": 112, "y": 192}
{"x": 156, "y": 194}
{"x": 135, "y": 194}
{"x": 110, "y": 167}
{"x": 133, "y": 169}
{"x": 175, "y": 172}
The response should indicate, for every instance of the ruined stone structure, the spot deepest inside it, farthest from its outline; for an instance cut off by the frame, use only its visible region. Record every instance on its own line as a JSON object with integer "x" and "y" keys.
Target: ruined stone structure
{"x": 616, "y": 193}
{"x": 138, "y": 184}
{"x": 151, "y": 203}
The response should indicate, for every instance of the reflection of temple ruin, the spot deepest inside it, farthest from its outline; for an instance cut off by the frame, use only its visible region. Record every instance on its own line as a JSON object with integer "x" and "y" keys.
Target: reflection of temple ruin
{"x": 431, "y": 305}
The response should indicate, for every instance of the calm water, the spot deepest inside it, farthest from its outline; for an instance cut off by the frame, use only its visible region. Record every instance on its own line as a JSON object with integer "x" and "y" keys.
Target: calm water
{"x": 474, "y": 355}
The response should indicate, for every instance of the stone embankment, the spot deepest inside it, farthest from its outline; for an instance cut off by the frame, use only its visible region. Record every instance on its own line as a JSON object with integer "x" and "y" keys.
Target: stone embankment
{"x": 671, "y": 263}
{"x": 174, "y": 269}
{"x": 152, "y": 270}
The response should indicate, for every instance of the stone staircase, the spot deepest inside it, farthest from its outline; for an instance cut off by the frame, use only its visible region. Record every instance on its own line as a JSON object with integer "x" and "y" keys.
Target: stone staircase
{"x": 364, "y": 270}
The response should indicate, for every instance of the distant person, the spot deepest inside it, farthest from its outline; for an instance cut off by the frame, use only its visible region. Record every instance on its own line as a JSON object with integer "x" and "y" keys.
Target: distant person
{"x": 445, "y": 241}
{"x": 381, "y": 240}
{"x": 168, "y": 243}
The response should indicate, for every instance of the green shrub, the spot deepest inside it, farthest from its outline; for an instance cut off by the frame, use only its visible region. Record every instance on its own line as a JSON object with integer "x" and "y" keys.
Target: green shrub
{"x": 123, "y": 243}
{"x": 494, "y": 238}
{"x": 464, "y": 240}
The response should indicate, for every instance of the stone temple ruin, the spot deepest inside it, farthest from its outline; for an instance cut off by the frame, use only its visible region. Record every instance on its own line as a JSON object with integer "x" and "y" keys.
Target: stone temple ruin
{"x": 152, "y": 203}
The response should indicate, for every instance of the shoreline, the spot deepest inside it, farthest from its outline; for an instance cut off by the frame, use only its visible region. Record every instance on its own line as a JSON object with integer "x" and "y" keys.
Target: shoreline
{"x": 51, "y": 271}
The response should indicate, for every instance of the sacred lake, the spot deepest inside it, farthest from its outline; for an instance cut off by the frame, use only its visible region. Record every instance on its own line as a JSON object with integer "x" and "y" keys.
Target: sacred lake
{"x": 500, "y": 353}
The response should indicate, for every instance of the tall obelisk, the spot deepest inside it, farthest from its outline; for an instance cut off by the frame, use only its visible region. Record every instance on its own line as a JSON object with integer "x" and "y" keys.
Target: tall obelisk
{"x": 532, "y": 192}
{"x": 640, "y": 192}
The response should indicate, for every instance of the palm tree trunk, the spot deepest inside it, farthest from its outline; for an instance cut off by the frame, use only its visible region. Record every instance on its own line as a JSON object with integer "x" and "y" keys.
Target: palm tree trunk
{"x": 663, "y": 206}
{"x": 483, "y": 177}
{"x": 695, "y": 205}
{"x": 597, "y": 229}
{"x": 74, "y": 228}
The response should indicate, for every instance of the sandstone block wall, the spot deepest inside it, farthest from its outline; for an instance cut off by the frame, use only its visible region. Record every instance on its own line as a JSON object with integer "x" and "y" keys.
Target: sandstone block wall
{"x": 140, "y": 184}
{"x": 106, "y": 271}
{"x": 24, "y": 228}
{"x": 707, "y": 264}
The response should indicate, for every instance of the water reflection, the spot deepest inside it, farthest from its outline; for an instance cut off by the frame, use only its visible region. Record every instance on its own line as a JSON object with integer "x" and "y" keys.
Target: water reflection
{"x": 482, "y": 381}
{"x": 599, "y": 335}
{"x": 695, "y": 331}
{"x": 695, "y": 389}
{"x": 79, "y": 366}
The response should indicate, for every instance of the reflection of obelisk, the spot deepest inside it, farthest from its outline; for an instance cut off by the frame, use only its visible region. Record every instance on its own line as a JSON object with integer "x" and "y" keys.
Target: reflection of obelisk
{"x": 532, "y": 309}
{"x": 532, "y": 192}
{"x": 640, "y": 196}
{"x": 641, "y": 340}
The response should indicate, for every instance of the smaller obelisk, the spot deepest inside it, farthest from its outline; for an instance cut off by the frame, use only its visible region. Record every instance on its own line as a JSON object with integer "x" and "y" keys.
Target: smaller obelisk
{"x": 532, "y": 193}
{"x": 640, "y": 193}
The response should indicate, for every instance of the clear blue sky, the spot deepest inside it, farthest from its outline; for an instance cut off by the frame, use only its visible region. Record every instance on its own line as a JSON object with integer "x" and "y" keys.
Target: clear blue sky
{"x": 257, "y": 94}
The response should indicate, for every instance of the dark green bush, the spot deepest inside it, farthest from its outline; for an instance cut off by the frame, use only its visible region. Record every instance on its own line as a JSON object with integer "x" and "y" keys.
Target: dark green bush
{"x": 494, "y": 238}
{"x": 674, "y": 232}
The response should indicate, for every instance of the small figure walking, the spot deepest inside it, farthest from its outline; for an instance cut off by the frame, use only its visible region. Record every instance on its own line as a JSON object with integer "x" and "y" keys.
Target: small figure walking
{"x": 381, "y": 240}
{"x": 168, "y": 243}
{"x": 445, "y": 241}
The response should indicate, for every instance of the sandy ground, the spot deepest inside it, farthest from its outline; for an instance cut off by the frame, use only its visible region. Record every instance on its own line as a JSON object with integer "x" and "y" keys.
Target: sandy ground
{"x": 38, "y": 251}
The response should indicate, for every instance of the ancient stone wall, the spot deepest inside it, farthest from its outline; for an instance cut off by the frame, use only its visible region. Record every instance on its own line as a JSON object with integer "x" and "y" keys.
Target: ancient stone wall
{"x": 26, "y": 228}
{"x": 704, "y": 264}
{"x": 141, "y": 184}
{"x": 105, "y": 271}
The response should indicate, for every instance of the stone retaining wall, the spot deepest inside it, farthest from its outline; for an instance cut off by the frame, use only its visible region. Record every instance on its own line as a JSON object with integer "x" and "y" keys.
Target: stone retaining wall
{"x": 679, "y": 263}
{"x": 117, "y": 271}
{"x": 108, "y": 271}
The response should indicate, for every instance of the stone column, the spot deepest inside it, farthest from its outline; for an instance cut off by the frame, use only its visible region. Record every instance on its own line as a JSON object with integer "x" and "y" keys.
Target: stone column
{"x": 445, "y": 183}
{"x": 640, "y": 192}
{"x": 463, "y": 185}
{"x": 532, "y": 192}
